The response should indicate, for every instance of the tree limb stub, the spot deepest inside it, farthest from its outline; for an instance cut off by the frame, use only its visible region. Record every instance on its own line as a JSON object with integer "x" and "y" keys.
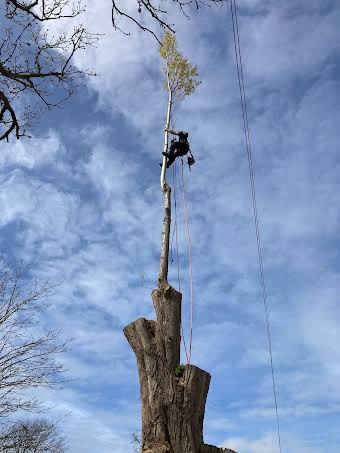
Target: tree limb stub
{"x": 172, "y": 407}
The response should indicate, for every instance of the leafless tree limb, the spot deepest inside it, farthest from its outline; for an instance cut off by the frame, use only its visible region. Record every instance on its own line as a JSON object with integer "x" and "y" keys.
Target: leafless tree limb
{"x": 44, "y": 10}
{"x": 136, "y": 442}
{"x": 157, "y": 13}
{"x": 27, "y": 358}
{"x": 13, "y": 122}
{"x": 37, "y": 436}
{"x": 36, "y": 65}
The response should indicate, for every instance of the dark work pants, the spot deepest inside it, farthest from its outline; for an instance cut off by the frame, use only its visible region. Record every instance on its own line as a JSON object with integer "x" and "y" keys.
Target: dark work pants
{"x": 177, "y": 149}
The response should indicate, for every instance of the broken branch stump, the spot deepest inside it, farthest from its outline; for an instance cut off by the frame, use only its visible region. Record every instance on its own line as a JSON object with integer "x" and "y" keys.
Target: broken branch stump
{"x": 172, "y": 407}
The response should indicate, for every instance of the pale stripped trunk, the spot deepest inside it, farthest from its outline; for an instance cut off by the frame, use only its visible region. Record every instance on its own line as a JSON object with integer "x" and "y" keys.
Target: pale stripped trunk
{"x": 164, "y": 261}
{"x": 166, "y": 136}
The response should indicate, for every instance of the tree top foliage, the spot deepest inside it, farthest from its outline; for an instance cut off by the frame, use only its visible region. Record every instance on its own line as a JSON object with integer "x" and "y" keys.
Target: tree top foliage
{"x": 182, "y": 76}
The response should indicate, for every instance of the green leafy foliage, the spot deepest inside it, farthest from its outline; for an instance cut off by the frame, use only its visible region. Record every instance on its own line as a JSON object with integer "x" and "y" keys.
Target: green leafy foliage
{"x": 182, "y": 76}
{"x": 179, "y": 370}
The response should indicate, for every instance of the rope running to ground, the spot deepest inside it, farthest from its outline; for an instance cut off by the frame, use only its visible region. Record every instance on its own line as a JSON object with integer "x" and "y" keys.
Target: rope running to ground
{"x": 233, "y": 7}
{"x": 177, "y": 259}
{"x": 190, "y": 264}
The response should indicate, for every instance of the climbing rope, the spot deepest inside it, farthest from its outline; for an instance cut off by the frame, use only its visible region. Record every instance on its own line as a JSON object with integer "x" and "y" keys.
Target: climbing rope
{"x": 175, "y": 232}
{"x": 238, "y": 56}
{"x": 177, "y": 255}
{"x": 175, "y": 229}
{"x": 190, "y": 264}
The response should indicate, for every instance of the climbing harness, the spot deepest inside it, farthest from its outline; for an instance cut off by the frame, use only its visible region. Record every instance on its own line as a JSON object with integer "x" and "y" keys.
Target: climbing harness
{"x": 243, "y": 99}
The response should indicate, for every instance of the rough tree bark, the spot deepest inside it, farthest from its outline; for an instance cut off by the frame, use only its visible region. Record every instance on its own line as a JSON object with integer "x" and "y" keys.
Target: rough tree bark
{"x": 172, "y": 407}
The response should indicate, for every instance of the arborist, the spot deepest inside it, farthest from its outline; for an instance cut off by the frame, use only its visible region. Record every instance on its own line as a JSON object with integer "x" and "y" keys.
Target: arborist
{"x": 178, "y": 148}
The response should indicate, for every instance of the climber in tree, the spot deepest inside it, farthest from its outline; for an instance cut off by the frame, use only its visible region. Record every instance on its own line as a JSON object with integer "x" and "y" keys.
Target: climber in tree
{"x": 178, "y": 147}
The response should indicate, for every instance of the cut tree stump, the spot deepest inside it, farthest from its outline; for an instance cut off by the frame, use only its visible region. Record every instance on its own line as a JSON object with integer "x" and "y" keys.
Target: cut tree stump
{"x": 172, "y": 407}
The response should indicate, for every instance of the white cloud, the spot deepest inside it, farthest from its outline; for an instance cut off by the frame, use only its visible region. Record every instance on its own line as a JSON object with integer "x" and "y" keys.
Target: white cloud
{"x": 34, "y": 153}
{"x": 45, "y": 212}
{"x": 288, "y": 43}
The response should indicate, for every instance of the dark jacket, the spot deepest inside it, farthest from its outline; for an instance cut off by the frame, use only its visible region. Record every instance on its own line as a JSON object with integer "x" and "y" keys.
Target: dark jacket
{"x": 183, "y": 136}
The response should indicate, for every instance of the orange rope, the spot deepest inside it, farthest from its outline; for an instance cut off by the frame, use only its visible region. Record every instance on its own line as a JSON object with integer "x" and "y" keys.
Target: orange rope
{"x": 190, "y": 265}
{"x": 177, "y": 259}
{"x": 175, "y": 229}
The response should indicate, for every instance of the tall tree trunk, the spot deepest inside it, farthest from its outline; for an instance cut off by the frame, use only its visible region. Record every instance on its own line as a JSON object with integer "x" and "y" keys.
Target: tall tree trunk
{"x": 166, "y": 135}
{"x": 164, "y": 262}
{"x": 172, "y": 407}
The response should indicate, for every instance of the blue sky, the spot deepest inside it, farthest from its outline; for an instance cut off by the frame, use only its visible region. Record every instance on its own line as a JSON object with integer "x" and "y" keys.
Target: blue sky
{"x": 81, "y": 203}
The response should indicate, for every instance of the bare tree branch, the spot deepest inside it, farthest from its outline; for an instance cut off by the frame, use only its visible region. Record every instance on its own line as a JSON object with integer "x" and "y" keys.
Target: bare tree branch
{"x": 9, "y": 124}
{"x": 36, "y": 65}
{"x": 157, "y": 14}
{"x": 136, "y": 442}
{"x": 37, "y": 436}
{"x": 46, "y": 11}
{"x": 27, "y": 359}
